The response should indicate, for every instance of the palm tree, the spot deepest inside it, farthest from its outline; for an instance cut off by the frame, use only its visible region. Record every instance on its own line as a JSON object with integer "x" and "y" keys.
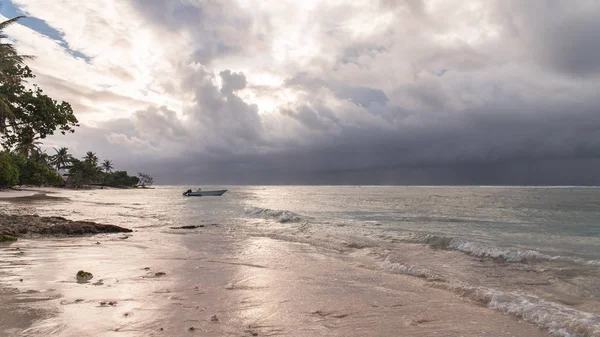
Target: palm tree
{"x": 9, "y": 59}
{"x": 28, "y": 146}
{"x": 62, "y": 158}
{"x": 107, "y": 166}
{"x": 91, "y": 158}
{"x": 6, "y": 114}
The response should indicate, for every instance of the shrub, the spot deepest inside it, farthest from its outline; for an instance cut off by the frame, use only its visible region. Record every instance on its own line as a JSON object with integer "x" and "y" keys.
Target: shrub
{"x": 83, "y": 173}
{"x": 7, "y": 238}
{"x": 120, "y": 179}
{"x": 35, "y": 173}
{"x": 9, "y": 171}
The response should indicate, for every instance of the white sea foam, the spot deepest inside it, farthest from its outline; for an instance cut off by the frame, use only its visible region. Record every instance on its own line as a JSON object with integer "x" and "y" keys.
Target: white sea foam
{"x": 281, "y": 215}
{"x": 489, "y": 251}
{"x": 512, "y": 255}
{"x": 401, "y": 268}
{"x": 558, "y": 319}
{"x": 442, "y": 242}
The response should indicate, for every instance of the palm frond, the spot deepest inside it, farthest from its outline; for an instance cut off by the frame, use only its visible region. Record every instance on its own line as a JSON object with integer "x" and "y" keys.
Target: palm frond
{"x": 9, "y": 22}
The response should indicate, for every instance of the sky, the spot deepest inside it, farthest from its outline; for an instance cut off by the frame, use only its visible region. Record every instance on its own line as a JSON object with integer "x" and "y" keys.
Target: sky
{"x": 418, "y": 92}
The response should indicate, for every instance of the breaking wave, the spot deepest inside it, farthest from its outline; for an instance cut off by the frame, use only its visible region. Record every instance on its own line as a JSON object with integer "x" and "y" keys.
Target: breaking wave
{"x": 488, "y": 251}
{"x": 364, "y": 240}
{"x": 282, "y": 216}
{"x": 401, "y": 268}
{"x": 558, "y": 319}
{"x": 442, "y": 242}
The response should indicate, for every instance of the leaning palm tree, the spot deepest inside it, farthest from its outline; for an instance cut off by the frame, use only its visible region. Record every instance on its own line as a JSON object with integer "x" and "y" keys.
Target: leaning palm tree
{"x": 9, "y": 57}
{"x": 107, "y": 166}
{"x": 9, "y": 60}
{"x": 91, "y": 158}
{"x": 62, "y": 158}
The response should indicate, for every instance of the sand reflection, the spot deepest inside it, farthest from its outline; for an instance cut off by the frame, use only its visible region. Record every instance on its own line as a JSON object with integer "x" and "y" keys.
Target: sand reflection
{"x": 118, "y": 298}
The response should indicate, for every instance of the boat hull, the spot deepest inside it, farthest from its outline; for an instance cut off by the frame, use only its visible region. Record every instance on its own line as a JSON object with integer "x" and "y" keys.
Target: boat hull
{"x": 205, "y": 193}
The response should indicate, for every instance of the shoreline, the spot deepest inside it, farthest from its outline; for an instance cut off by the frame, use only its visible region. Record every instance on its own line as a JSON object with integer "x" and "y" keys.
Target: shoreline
{"x": 176, "y": 278}
{"x": 25, "y": 190}
{"x": 27, "y": 194}
{"x": 28, "y": 198}
{"x": 217, "y": 285}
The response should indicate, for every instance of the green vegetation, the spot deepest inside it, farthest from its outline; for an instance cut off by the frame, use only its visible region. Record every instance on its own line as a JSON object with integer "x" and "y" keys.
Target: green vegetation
{"x": 145, "y": 179}
{"x": 9, "y": 58}
{"x": 9, "y": 171}
{"x": 33, "y": 116}
{"x": 61, "y": 159}
{"x": 18, "y": 170}
{"x": 27, "y": 115}
{"x": 7, "y": 238}
{"x": 33, "y": 172}
{"x": 83, "y": 173}
{"x": 87, "y": 172}
{"x": 107, "y": 166}
{"x": 120, "y": 179}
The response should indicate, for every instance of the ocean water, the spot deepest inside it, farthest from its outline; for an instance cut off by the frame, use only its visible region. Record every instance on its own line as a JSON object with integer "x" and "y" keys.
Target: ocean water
{"x": 529, "y": 252}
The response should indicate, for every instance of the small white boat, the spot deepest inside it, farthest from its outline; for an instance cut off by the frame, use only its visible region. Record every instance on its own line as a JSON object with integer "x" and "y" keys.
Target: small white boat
{"x": 200, "y": 193}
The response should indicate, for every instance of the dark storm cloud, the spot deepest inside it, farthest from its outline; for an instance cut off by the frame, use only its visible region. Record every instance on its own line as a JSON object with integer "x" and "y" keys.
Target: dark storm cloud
{"x": 160, "y": 123}
{"x": 561, "y": 34}
{"x": 224, "y": 117}
{"x": 308, "y": 117}
{"x": 503, "y": 135}
{"x": 502, "y": 146}
{"x": 444, "y": 99}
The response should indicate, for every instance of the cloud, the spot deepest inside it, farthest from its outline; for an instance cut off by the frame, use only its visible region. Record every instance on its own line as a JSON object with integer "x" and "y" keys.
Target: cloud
{"x": 560, "y": 36}
{"x": 132, "y": 143}
{"x": 297, "y": 91}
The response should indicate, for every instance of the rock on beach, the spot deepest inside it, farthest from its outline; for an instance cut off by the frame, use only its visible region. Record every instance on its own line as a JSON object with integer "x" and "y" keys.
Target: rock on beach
{"x": 34, "y": 225}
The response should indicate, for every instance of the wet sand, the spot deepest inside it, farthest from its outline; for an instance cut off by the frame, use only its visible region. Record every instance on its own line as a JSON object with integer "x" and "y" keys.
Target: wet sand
{"x": 7, "y": 194}
{"x": 219, "y": 284}
{"x": 31, "y": 194}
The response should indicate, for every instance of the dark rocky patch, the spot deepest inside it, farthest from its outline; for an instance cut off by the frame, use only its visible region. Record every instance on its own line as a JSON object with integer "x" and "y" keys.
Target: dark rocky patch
{"x": 83, "y": 276}
{"x": 187, "y": 227}
{"x": 31, "y": 225}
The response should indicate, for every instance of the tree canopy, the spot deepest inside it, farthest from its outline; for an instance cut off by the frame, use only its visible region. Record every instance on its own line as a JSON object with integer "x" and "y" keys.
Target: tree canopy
{"x": 9, "y": 59}
{"x": 9, "y": 171}
{"x": 27, "y": 116}
{"x": 61, "y": 159}
{"x": 34, "y": 115}
{"x": 145, "y": 179}
{"x": 26, "y": 113}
